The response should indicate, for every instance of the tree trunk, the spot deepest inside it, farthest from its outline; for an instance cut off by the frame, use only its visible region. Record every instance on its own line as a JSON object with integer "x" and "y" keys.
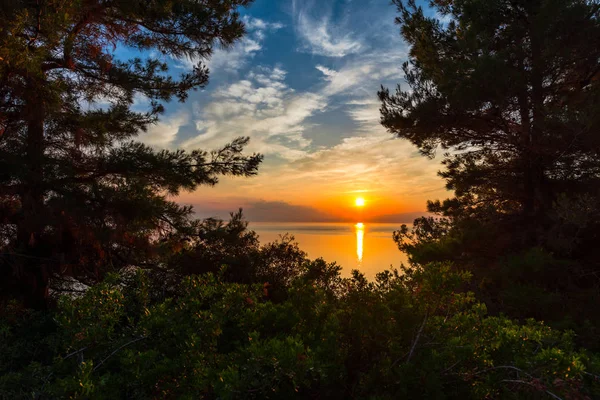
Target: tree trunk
{"x": 526, "y": 139}
{"x": 531, "y": 110}
{"x": 537, "y": 127}
{"x": 32, "y": 267}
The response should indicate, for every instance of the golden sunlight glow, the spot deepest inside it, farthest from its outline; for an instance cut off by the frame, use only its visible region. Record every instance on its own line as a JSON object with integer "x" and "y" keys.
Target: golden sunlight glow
{"x": 360, "y": 236}
{"x": 359, "y": 202}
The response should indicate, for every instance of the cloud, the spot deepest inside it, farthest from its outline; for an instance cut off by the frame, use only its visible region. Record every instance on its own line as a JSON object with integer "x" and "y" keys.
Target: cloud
{"x": 351, "y": 76}
{"x": 164, "y": 133}
{"x": 364, "y": 74}
{"x": 280, "y": 120}
{"x": 261, "y": 106}
{"x": 373, "y": 162}
{"x": 234, "y": 58}
{"x": 326, "y": 71}
{"x": 253, "y": 24}
{"x": 280, "y": 211}
{"x": 365, "y": 113}
{"x": 277, "y": 117}
{"x": 321, "y": 36}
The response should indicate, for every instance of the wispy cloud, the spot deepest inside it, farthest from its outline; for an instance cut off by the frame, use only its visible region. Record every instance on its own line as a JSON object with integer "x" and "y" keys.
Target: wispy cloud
{"x": 261, "y": 106}
{"x": 365, "y": 113}
{"x": 320, "y": 35}
{"x": 364, "y": 74}
{"x": 164, "y": 133}
{"x": 277, "y": 116}
{"x": 254, "y": 24}
{"x": 282, "y": 113}
{"x": 234, "y": 58}
{"x": 376, "y": 163}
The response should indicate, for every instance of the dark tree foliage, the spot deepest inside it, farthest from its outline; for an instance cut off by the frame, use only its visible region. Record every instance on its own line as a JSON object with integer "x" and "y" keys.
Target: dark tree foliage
{"x": 510, "y": 91}
{"x": 511, "y": 88}
{"x": 233, "y": 251}
{"x": 78, "y": 195}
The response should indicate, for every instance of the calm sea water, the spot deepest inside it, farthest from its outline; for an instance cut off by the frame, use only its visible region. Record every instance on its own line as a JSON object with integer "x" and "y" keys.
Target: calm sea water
{"x": 366, "y": 247}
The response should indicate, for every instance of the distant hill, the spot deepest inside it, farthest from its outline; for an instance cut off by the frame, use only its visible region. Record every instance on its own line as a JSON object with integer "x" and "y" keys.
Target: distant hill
{"x": 280, "y": 211}
{"x": 405, "y": 218}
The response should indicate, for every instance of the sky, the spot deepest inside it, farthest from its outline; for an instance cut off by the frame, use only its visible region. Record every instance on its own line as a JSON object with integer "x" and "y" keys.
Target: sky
{"x": 302, "y": 84}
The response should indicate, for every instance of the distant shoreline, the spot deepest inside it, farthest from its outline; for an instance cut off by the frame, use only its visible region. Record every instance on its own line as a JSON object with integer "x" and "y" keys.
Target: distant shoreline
{"x": 404, "y": 218}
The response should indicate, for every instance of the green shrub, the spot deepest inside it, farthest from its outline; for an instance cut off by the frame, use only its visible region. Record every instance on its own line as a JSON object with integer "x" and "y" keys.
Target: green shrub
{"x": 408, "y": 334}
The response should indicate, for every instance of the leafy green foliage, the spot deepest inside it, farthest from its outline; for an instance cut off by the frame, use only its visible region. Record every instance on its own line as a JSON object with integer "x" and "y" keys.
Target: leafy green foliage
{"x": 414, "y": 334}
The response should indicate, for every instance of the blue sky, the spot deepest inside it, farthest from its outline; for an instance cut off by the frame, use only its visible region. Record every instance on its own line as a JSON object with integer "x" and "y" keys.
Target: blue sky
{"x": 303, "y": 84}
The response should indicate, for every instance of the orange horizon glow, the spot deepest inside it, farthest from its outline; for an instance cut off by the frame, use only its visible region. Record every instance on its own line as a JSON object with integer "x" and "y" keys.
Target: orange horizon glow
{"x": 345, "y": 206}
{"x": 349, "y": 206}
{"x": 341, "y": 207}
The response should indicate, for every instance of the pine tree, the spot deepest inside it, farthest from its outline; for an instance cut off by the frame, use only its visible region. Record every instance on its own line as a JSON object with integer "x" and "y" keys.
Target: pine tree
{"x": 78, "y": 195}
{"x": 511, "y": 90}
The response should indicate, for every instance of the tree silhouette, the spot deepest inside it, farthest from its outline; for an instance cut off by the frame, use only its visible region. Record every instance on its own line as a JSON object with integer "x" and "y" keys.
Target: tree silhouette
{"x": 78, "y": 196}
{"x": 511, "y": 88}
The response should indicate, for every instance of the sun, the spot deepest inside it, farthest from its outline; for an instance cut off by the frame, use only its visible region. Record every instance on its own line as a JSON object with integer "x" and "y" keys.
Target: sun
{"x": 359, "y": 202}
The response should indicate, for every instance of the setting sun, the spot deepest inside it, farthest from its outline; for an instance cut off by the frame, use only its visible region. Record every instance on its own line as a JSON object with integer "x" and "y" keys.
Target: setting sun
{"x": 359, "y": 202}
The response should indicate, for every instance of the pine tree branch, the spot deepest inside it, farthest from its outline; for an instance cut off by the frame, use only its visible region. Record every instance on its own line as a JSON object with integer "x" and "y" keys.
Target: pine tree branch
{"x": 532, "y": 385}
{"x": 414, "y": 345}
{"x": 74, "y": 353}
{"x": 117, "y": 350}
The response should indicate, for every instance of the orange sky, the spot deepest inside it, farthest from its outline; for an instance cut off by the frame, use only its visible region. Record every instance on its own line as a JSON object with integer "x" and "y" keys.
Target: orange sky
{"x": 393, "y": 182}
{"x": 302, "y": 85}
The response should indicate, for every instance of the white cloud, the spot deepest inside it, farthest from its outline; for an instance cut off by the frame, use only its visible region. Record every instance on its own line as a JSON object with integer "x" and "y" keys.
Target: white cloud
{"x": 321, "y": 37}
{"x": 365, "y": 112}
{"x": 326, "y": 71}
{"x": 376, "y": 163}
{"x": 346, "y": 78}
{"x": 259, "y": 24}
{"x": 277, "y": 117}
{"x": 234, "y": 58}
{"x": 164, "y": 133}
{"x": 262, "y": 107}
{"x": 363, "y": 74}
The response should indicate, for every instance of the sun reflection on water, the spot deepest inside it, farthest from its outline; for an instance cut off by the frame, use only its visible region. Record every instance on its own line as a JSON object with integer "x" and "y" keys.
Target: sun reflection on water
{"x": 360, "y": 236}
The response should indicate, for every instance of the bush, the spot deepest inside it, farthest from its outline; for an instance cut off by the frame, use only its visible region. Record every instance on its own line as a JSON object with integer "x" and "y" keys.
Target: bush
{"x": 409, "y": 334}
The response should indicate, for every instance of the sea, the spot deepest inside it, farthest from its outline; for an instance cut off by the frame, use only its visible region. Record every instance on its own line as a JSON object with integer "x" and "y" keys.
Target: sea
{"x": 367, "y": 247}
